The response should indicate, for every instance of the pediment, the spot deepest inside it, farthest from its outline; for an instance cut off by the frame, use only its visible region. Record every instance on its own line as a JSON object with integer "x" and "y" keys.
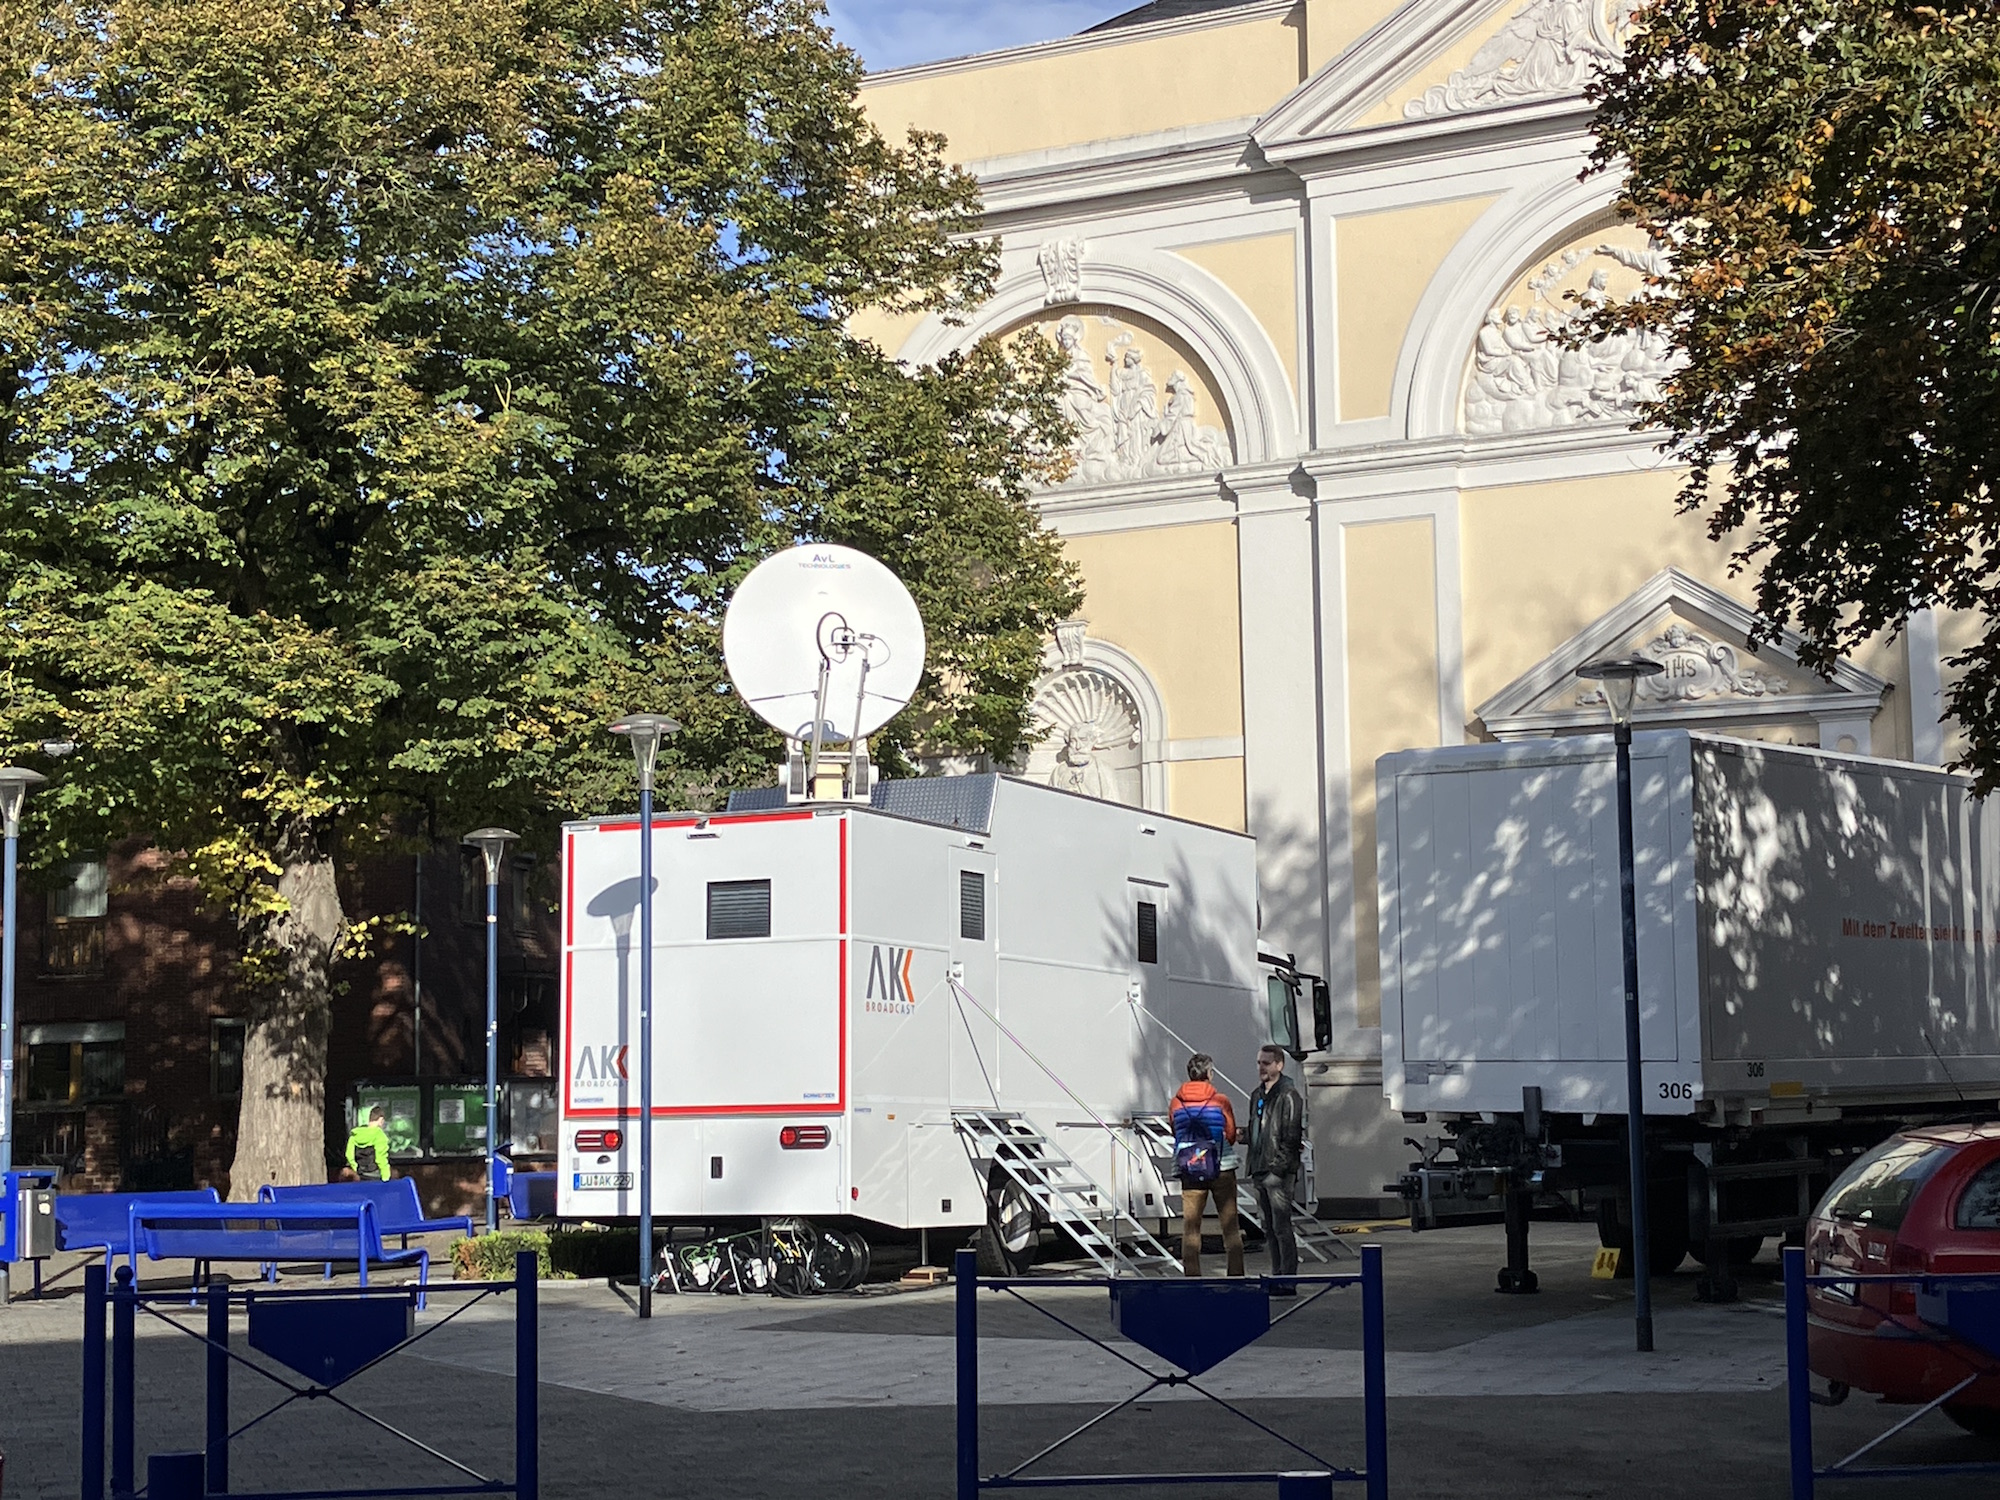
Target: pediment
{"x": 1712, "y": 678}
{"x": 1442, "y": 61}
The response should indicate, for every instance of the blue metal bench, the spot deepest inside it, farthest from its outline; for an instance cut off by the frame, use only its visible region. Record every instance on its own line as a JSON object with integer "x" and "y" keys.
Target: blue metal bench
{"x": 398, "y": 1210}
{"x": 103, "y": 1221}
{"x": 529, "y": 1195}
{"x": 268, "y": 1233}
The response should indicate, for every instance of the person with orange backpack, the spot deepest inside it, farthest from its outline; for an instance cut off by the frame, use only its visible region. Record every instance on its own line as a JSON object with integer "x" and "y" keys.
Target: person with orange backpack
{"x": 1204, "y": 1130}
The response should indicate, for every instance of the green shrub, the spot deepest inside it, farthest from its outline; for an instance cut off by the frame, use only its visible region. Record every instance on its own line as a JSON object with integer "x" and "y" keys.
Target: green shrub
{"x": 591, "y": 1254}
{"x": 490, "y": 1257}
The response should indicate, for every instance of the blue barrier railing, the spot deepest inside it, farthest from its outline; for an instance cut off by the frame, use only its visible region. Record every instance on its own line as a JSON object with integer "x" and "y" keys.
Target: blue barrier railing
{"x": 1805, "y": 1474}
{"x": 326, "y": 1337}
{"x": 1194, "y": 1325}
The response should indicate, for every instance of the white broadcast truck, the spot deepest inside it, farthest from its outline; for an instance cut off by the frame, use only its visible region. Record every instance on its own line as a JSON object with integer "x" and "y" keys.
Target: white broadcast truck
{"x": 1819, "y": 964}
{"x": 952, "y": 1006}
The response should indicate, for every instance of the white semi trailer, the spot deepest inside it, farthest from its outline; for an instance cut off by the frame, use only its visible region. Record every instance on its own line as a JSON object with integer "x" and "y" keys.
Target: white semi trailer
{"x": 1819, "y": 963}
{"x": 947, "y": 1007}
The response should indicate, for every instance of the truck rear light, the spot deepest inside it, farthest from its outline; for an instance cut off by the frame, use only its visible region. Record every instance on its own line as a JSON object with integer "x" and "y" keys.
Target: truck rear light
{"x": 805, "y": 1138}
{"x": 599, "y": 1140}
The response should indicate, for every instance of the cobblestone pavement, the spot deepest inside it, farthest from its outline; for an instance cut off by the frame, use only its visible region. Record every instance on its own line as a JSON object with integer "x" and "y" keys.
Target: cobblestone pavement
{"x": 726, "y": 1397}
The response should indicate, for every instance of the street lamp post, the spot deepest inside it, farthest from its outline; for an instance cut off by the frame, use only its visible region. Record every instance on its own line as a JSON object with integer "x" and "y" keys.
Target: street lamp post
{"x": 492, "y": 844}
{"x": 1619, "y": 677}
{"x": 15, "y": 783}
{"x": 646, "y": 732}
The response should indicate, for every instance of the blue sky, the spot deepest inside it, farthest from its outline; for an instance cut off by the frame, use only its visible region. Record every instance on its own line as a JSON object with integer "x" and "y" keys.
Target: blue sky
{"x": 894, "y": 33}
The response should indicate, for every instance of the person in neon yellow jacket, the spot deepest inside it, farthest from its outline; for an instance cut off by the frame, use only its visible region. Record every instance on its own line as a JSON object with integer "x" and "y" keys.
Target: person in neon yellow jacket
{"x": 368, "y": 1147}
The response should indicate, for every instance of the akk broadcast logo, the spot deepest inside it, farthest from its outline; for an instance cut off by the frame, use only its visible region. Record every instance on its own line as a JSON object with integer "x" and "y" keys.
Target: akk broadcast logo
{"x": 600, "y": 1065}
{"x": 889, "y": 988}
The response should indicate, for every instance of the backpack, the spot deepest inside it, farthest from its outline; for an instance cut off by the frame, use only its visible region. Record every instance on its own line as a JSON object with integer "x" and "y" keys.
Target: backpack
{"x": 1197, "y": 1161}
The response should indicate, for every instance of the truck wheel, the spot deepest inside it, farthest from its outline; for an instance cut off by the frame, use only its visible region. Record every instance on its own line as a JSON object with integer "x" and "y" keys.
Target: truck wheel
{"x": 1008, "y": 1239}
{"x": 1666, "y": 1233}
{"x": 1742, "y": 1249}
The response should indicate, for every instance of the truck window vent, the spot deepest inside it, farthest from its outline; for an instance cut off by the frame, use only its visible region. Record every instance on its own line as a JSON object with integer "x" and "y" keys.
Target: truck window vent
{"x": 1149, "y": 933}
{"x": 972, "y": 905}
{"x": 739, "y": 909}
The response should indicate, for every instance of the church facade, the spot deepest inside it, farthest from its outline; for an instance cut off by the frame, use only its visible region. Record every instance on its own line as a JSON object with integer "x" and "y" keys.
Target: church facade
{"x": 1339, "y": 489}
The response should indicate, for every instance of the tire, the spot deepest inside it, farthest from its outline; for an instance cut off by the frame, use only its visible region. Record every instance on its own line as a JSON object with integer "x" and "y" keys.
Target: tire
{"x": 864, "y": 1259}
{"x": 1983, "y": 1422}
{"x": 1666, "y": 1233}
{"x": 1742, "y": 1250}
{"x": 1012, "y": 1232}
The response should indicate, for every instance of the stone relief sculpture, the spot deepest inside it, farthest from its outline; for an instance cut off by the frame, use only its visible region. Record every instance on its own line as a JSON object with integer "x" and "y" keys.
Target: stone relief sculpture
{"x": 1088, "y": 409}
{"x": 1523, "y": 376}
{"x": 1182, "y": 445}
{"x": 1087, "y": 736}
{"x": 1696, "y": 668}
{"x": 1548, "y": 48}
{"x": 1122, "y": 432}
{"x": 1061, "y": 264}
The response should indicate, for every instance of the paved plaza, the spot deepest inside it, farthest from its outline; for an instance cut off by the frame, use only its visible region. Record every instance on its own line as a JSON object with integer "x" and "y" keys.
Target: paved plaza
{"x": 724, "y": 1397}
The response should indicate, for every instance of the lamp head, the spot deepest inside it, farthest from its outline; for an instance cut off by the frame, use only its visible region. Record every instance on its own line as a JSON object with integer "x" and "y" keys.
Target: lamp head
{"x": 646, "y": 732}
{"x": 1619, "y": 677}
{"x": 492, "y": 843}
{"x": 15, "y": 784}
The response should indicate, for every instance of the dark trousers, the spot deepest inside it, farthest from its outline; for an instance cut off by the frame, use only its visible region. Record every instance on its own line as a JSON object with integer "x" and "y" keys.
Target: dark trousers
{"x": 1275, "y": 1205}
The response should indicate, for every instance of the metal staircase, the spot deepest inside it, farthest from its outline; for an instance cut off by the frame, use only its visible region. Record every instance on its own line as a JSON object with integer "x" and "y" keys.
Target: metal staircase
{"x": 1315, "y": 1239}
{"x": 1062, "y": 1192}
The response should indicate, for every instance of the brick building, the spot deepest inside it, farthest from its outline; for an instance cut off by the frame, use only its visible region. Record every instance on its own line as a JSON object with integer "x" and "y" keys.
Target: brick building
{"x": 129, "y": 1034}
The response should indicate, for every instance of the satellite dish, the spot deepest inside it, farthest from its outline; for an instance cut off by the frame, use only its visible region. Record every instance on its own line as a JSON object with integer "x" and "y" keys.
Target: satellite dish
{"x": 824, "y": 643}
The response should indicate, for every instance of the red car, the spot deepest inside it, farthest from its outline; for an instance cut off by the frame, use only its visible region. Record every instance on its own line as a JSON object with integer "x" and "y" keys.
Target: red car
{"x": 1925, "y": 1200}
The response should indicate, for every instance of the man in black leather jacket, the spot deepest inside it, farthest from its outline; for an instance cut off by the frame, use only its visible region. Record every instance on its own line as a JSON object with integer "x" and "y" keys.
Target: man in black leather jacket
{"x": 1277, "y": 1135}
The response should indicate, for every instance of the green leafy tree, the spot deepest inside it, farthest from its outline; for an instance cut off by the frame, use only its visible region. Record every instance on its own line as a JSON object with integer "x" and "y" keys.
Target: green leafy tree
{"x": 1826, "y": 176}
{"x": 392, "y": 391}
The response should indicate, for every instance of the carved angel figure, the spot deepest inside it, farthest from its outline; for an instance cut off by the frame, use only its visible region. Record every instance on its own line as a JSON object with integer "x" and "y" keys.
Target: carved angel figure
{"x": 1135, "y": 406}
{"x": 1547, "y": 47}
{"x": 1183, "y": 446}
{"x": 1087, "y": 407}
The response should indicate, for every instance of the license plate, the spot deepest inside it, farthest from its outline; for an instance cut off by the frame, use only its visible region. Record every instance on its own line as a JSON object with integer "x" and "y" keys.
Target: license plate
{"x": 616, "y": 1182}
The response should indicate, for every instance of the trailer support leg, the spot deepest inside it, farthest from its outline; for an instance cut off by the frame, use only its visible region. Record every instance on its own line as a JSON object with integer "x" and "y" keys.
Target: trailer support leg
{"x": 1515, "y": 1277}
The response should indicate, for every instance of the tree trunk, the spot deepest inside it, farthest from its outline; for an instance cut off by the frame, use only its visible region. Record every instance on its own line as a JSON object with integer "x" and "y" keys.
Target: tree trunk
{"x": 281, "y": 1122}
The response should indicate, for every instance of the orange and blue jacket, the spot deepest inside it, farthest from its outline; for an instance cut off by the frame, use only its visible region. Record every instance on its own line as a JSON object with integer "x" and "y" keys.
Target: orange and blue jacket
{"x": 1198, "y": 1099}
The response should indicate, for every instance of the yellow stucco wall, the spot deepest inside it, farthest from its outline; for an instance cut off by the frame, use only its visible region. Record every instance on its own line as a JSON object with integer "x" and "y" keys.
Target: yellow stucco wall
{"x": 1392, "y": 696}
{"x": 1169, "y": 597}
{"x": 1263, "y": 273}
{"x": 888, "y": 331}
{"x": 1536, "y": 572}
{"x": 1333, "y": 25}
{"x": 1208, "y": 791}
{"x": 1382, "y": 264}
{"x": 1030, "y": 101}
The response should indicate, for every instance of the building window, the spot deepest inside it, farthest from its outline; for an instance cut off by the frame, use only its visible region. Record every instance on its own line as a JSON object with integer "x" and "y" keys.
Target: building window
{"x": 225, "y": 1058}
{"x": 520, "y": 894}
{"x": 972, "y": 906}
{"x": 739, "y": 908}
{"x": 74, "y": 940}
{"x": 74, "y": 1062}
{"x": 471, "y": 886}
{"x": 1149, "y": 933}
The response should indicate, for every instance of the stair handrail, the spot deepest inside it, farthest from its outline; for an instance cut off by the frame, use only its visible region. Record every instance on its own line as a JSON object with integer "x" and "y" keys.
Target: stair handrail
{"x": 964, "y": 994}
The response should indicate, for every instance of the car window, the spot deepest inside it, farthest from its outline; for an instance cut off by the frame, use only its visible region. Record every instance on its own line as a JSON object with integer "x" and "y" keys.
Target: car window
{"x": 1979, "y": 1204}
{"x": 1877, "y": 1189}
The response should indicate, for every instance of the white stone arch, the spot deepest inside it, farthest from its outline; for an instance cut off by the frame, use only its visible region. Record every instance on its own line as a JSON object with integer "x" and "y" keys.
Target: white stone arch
{"x": 1224, "y": 335}
{"x": 1521, "y": 228}
{"x": 1073, "y": 651}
